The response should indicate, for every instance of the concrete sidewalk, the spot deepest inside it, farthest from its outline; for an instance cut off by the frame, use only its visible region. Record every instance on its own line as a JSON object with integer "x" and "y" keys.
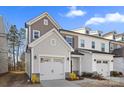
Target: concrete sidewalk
{"x": 58, "y": 83}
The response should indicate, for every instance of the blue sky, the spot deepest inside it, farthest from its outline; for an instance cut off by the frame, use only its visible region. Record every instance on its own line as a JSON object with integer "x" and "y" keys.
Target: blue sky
{"x": 102, "y": 18}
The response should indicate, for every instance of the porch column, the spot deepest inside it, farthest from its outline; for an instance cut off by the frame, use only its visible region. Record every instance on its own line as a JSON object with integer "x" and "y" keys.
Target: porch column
{"x": 80, "y": 66}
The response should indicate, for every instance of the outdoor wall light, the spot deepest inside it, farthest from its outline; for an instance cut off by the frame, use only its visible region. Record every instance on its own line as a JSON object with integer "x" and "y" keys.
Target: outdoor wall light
{"x": 112, "y": 60}
{"x": 94, "y": 59}
{"x": 68, "y": 58}
{"x": 35, "y": 57}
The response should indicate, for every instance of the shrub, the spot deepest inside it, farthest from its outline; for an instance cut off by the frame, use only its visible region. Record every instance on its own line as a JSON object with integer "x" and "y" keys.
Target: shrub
{"x": 73, "y": 76}
{"x": 116, "y": 74}
{"x": 120, "y": 73}
{"x": 35, "y": 79}
{"x": 84, "y": 74}
{"x": 93, "y": 75}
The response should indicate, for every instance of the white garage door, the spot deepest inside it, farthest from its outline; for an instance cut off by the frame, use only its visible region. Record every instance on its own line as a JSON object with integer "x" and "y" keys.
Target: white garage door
{"x": 103, "y": 68}
{"x": 52, "y": 68}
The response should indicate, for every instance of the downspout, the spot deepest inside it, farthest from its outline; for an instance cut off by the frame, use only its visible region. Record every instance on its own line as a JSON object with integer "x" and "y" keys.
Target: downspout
{"x": 71, "y": 66}
{"x": 109, "y": 46}
{"x": 30, "y": 64}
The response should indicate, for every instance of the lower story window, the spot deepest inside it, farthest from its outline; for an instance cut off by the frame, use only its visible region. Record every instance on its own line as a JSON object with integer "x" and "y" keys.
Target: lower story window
{"x": 98, "y": 61}
{"x": 105, "y": 62}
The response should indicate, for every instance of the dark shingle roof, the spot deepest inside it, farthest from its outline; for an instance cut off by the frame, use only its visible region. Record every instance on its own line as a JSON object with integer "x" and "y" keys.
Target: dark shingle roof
{"x": 76, "y": 52}
{"x": 94, "y": 51}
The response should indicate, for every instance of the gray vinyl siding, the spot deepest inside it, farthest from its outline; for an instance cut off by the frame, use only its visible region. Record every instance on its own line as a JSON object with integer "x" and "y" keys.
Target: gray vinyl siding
{"x": 39, "y": 25}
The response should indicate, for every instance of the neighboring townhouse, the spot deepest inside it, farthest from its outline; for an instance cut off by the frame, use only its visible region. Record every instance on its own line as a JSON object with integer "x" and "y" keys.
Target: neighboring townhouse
{"x": 114, "y": 36}
{"x": 120, "y": 37}
{"x": 52, "y": 52}
{"x": 95, "y": 50}
{"x": 117, "y": 48}
{"x": 3, "y": 48}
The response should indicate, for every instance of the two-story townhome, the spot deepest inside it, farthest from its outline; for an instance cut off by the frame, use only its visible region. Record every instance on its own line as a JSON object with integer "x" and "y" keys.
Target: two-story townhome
{"x": 3, "y": 48}
{"x": 95, "y": 50}
{"x": 52, "y": 53}
{"x": 48, "y": 55}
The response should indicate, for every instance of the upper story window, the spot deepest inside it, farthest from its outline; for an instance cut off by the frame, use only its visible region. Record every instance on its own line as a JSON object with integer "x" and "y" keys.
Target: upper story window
{"x": 69, "y": 39}
{"x": 122, "y": 38}
{"x": 45, "y": 21}
{"x": 82, "y": 43}
{"x": 87, "y": 31}
{"x": 103, "y": 47}
{"x": 36, "y": 34}
{"x": 93, "y": 44}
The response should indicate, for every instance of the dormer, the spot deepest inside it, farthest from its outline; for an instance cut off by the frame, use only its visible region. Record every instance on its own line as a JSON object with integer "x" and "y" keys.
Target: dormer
{"x": 84, "y": 30}
{"x": 110, "y": 35}
{"x": 119, "y": 37}
{"x": 96, "y": 33}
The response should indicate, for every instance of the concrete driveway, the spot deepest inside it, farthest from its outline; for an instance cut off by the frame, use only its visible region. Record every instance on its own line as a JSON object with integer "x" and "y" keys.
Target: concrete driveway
{"x": 117, "y": 79}
{"x": 58, "y": 83}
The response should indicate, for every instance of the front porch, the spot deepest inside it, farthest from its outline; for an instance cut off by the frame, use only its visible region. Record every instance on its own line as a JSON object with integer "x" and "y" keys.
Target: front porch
{"x": 76, "y": 64}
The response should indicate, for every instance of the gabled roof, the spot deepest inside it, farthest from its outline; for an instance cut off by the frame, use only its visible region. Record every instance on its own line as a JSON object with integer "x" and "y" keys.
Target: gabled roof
{"x": 34, "y": 43}
{"x": 30, "y": 22}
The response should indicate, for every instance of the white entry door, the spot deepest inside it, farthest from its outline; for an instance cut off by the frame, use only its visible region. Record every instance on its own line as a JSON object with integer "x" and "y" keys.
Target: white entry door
{"x": 52, "y": 68}
{"x": 103, "y": 68}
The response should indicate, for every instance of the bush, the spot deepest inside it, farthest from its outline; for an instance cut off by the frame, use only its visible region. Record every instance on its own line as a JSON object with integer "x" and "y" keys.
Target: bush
{"x": 121, "y": 73}
{"x": 73, "y": 76}
{"x": 116, "y": 74}
{"x": 84, "y": 74}
{"x": 93, "y": 75}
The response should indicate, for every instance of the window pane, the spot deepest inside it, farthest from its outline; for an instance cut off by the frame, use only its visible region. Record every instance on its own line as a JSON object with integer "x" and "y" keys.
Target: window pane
{"x": 98, "y": 61}
{"x": 69, "y": 39}
{"x": 105, "y": 62}
{"x": 36, "y": 34}
{"x": 103, "y": 47}
{"x": 82, "y": 43}
{"x": 93, "y": 44}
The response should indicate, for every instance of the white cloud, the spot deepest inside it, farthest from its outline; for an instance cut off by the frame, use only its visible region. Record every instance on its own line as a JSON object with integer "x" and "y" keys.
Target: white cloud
{"x": 113, "y": 17}
{"x": 73, "y": 12}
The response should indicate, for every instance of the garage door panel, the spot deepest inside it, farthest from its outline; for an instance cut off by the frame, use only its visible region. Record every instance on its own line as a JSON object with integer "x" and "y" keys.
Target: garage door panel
{"x": 58, "y": 67}
{"x": 43, "y": 69}
{"x": 103, "y": 68}
{"x": 53, "y": 69}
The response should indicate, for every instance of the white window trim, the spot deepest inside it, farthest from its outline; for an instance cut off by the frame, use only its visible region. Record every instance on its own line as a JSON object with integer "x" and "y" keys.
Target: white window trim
{"x": 45, "y": 22}
{"x": 36, "y": 31}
